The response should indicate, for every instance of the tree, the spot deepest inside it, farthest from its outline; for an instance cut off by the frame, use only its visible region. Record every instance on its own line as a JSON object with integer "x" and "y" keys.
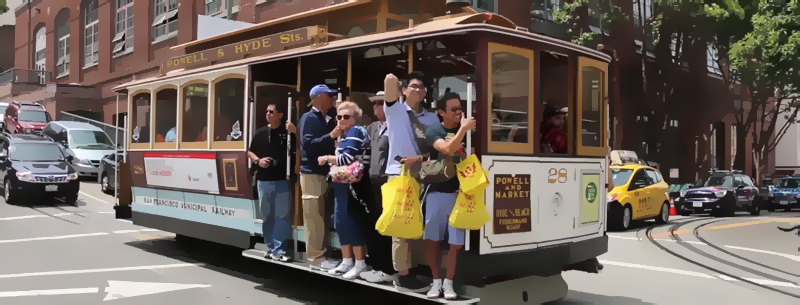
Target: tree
{"x": 3, "y": 7}
{"x": 766, "y": 61}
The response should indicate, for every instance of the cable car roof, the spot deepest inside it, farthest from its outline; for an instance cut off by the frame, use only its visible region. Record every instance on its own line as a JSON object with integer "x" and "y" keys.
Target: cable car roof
{"x": 444, "y": 26}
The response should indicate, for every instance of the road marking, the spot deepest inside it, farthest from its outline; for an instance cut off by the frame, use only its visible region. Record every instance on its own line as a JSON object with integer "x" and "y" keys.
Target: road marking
{"x": 93, "y": 197}
{"x": 51, "y": 237}
{"x": 773, "y": 283}
{"x": 125, "y": 231}
{"x": 125, "y": 220}
{"x": 8, "y": 294}
{"x": 661, "y": 269}
{"x": 789, "y": 256}
{"x": 694, "y": 242}
{"x": 120, "y": 289}
{"x": 101, "y": 270}
{"x": 741, "y": 224}
{"x": 51, "y": 215}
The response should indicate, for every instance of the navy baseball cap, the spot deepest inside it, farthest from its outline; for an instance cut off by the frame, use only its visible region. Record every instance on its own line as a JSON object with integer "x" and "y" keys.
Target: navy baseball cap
{"x": 320, "y": 90}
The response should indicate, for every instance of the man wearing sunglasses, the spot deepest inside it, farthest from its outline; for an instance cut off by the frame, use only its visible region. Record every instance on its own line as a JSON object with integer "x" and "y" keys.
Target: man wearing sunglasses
{"x": 316, "y": 140}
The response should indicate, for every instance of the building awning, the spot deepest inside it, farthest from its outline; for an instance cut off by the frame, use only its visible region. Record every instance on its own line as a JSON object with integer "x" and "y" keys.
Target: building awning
{"x": 444, "y": 26}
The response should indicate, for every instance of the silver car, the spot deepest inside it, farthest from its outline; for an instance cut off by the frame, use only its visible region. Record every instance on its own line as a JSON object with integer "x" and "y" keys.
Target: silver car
{"x": 86, "y": 143}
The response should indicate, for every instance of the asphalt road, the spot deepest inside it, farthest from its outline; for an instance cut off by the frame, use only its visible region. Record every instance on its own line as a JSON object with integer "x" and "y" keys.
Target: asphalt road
{"x": 51, "y": 253}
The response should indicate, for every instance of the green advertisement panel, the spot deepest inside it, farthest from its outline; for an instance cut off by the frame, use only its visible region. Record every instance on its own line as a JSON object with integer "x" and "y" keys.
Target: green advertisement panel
{"x": 590, "y": 201}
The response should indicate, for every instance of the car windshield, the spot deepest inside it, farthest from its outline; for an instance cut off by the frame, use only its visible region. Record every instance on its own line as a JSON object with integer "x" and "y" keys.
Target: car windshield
{"x": 90, "y": 139}
{"x": 620, "y": 176}
{"x": 723, "y": 181}
{"x": 36, "y": 153}
{"x": 788, "y": 184}
{"x": 3, "y": 109}
{"x": 34, "y": 116}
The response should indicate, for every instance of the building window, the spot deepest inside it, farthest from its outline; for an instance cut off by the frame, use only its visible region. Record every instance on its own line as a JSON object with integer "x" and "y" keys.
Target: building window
{"x": 62, "y": 49}
{"x": 712, "y": 59}
{"x": 165, "y": 22}
{"x": 642, "y": 10}
{"x": 676, "y": 54}
{"x": 123, "y": 39}
{"x": 733, "y": 145}
{"x": 91, "y": 49}
{"x": 487, "y": 5}
{"x": 543, "y": 9}
{"x": 40, "y": 62}
{"x": 713, "y": 147}
{"x": 214, "y": 7}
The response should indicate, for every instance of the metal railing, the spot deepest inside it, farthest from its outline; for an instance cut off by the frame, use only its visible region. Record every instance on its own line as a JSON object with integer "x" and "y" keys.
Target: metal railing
{"x": 113, "y": 132}
{"x": 22, "y": 76}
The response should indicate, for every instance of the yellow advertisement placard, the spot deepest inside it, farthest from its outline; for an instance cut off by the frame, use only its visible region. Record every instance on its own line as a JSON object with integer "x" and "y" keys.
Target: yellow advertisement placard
{"x": 590, "y": 198}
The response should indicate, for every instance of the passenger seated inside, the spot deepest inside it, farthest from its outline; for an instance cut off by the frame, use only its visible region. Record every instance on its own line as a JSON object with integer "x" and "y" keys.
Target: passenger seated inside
{"x": 553, "y": 136}
{"x": 499, "y": 131}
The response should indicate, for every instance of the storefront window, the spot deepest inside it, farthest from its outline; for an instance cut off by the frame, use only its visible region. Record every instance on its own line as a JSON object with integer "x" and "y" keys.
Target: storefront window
{"x": 166, "y": 115}
{"x": 229, "y": 109}
{"x": 511, "y": 99}
{"x": 195, "y": 113}
{"x": 140, "y": 120}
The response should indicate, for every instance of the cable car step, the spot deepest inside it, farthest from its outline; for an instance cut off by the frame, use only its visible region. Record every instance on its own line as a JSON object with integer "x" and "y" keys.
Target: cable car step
{"x": 259, "y": 255}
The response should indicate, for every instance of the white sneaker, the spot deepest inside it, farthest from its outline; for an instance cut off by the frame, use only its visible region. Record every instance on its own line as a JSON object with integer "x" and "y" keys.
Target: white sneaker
{"x": 343, "y": 268}
{"x": 436, "y": 289}
{"x": 354, "y": 272}
{"x": 376, "y": 276}
{"x": 281, "y": 258}
{"x": 326, "y": 265}
{"x": 449, "y": 292}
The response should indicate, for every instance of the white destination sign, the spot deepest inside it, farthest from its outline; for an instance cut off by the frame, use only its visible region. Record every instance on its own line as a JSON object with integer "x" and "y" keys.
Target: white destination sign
{"x": 191, "y": 206}
{"x": 189, "y": 171}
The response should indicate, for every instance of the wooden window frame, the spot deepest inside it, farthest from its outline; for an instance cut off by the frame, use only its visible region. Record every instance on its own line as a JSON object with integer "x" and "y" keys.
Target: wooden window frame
{"x": 154, "y": 114}
{"x": 202, "y": 145}
{"x": 511, "y": 147}
{"x": 600, "y": 151}
{"x": 129, "y": 136}
{"x": 227, "y": 145}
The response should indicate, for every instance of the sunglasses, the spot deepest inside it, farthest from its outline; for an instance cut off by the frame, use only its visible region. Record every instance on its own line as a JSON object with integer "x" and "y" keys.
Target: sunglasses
{"x": 343, "y": 117}
{"x": 456, "y": 109}
{"x": 270, "y": 111}
{"x": 378, "y": 103}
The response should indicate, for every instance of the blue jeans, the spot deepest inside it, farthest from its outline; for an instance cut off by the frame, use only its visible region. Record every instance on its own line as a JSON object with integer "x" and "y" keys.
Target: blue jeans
{"x": 276, "y": 208}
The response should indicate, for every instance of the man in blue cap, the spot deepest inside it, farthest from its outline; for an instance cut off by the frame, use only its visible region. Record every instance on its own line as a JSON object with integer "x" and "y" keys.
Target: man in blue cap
{"x": 316, "y": 139}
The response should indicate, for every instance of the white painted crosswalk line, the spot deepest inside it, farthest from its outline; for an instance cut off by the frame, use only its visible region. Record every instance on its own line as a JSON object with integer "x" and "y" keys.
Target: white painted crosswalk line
{"x": 100, "y": 270}
{"x": 7, "y": 241}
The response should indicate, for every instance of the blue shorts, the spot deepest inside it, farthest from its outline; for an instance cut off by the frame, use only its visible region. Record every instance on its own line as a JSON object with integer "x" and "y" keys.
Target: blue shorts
{"x": 438, "y": 207}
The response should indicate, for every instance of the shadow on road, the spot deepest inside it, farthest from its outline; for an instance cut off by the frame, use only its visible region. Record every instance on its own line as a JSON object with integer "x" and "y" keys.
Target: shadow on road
{"x": 597, "y": 299}
{"x": 285, "y": 282}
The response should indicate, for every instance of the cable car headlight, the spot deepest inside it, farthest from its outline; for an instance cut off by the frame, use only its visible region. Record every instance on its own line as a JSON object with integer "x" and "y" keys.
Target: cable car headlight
{"x": 721, "y": 194}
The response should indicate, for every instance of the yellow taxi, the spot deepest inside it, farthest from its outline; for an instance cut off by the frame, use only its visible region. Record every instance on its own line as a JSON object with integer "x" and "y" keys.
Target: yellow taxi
{"x": 639, "y": 192}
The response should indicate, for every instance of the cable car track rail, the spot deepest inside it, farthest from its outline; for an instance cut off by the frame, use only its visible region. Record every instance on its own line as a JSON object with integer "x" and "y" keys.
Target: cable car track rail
{"x": 674, "y": 228}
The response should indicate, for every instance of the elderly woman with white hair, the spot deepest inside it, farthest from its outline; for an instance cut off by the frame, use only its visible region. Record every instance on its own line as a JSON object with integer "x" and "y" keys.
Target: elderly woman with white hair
{"x": 352, "y": 145}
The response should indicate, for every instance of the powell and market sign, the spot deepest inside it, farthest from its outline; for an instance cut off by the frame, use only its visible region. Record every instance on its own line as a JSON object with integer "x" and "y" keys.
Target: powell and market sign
{"x": 259, "y": 46}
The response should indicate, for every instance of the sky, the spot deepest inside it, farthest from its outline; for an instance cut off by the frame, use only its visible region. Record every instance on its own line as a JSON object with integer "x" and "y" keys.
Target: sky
{"x": 8, "y": 17}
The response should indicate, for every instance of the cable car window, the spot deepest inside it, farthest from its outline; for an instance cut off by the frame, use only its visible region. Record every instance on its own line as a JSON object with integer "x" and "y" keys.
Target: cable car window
{"x": 140, "y": 120}
{"x": 511, "y": 99}
{"x": 195, "y": 113}
{"x": 166, "y": 115}
{"x": 229, "y": 111}
{"x": 592, "y": 121}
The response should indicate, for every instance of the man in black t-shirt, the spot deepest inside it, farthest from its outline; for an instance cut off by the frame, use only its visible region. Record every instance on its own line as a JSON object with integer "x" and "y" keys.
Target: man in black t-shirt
{"x": 268, "y": 152}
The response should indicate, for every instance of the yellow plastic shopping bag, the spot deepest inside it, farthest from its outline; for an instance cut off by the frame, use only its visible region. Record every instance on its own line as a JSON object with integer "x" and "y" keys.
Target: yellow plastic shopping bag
{"x": 401, "y": 208}
{"x": 469, "y": 213}
{"x": 471, "y": 175}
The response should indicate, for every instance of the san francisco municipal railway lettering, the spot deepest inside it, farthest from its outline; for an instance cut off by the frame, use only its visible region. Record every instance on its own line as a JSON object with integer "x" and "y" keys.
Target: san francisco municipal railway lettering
{"x": 197, "y": 207}
{"x": 259, "y": 46}
{"x": 512, "y": 204}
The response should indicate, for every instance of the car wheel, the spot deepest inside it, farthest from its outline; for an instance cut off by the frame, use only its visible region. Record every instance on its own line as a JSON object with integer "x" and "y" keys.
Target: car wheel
{"x": 8, "y": 192}
{"x": 755, "y": 209}
{"x": 627, "y": 218}
{"x": 663, "y": 216}
{"x": 104, "y": 183}
{"x": 71, "y": 199}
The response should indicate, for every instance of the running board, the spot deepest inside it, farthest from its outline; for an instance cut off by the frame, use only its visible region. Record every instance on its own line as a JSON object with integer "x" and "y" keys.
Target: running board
{"x": 300, "y": 265}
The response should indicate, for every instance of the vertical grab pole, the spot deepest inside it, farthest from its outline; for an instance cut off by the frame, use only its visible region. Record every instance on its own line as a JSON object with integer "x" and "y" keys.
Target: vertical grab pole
{"x": 116, "y": 152}
{"x": 289, "y": 139}
{"x": 468, "y": 113}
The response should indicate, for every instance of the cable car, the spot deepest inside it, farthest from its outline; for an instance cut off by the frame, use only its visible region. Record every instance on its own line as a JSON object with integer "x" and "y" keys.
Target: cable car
{"x": 547, "y": 208}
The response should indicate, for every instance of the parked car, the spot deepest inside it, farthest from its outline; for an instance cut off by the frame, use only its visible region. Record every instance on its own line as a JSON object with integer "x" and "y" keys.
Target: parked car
{"x": 32, "y": 165}
{"x": 785, "y": 195}
{"x": 721, "y": 193}
{"x": 86, "y": 143}
{"x": 108, "y": 173}
{"x": 24, "y": 117}
{"x": 676, "y": 189}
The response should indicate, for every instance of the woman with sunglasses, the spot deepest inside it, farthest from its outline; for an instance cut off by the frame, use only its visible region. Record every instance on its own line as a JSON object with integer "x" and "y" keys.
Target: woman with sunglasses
{"x": 352, "y": 145}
